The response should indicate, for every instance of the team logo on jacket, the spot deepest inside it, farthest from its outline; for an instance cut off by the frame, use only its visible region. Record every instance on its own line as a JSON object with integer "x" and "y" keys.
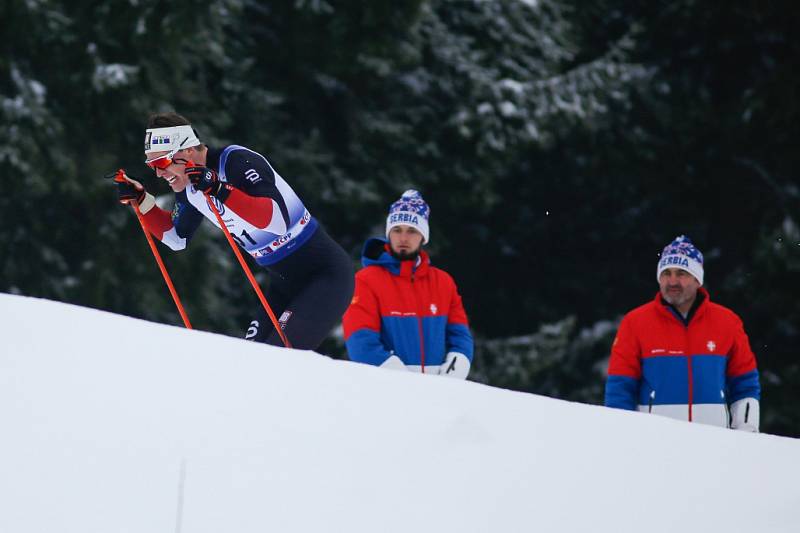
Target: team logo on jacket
{"x": 434, "y": 309}
{"x": 262, "y": 252}
{"x": 280, "y": 241}
{"x": 215, "y": 202}
{"x": 711, "y": 346}
{"x": 252, "y": 175}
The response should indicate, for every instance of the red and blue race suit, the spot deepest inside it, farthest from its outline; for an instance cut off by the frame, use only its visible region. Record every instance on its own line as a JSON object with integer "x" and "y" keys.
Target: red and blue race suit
{"x": 311, "y": 279}
{"x": 261, "y": 210}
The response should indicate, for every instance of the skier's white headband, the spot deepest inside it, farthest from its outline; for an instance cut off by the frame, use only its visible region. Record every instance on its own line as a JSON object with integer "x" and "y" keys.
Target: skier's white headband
{"x": 170, "y": 139}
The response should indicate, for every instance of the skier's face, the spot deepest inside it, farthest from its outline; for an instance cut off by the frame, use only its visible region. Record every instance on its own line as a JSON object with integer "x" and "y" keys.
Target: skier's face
{"x": 174, "y": 172}
{"x": 678, "y": 288}
{"x": 405, "y": 242}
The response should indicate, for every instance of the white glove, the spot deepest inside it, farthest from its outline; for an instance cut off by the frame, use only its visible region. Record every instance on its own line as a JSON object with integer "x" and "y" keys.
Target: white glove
{"x": 745, "y": 415}
{"x": 456, "y": 365}
{"x": 394, "y": 363}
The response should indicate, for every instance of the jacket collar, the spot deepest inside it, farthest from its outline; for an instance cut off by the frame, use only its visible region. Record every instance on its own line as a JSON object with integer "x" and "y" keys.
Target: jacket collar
{"x": 697, "y": 310}
{"x": 376, "y": 252}
{"x": 212, "y": 158}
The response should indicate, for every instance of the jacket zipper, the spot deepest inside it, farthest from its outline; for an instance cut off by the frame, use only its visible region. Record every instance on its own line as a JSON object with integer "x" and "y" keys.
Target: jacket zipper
{"x": 691, "y": 385}
{"x": 691, "y": 376}
{"x": 419, "y": 325}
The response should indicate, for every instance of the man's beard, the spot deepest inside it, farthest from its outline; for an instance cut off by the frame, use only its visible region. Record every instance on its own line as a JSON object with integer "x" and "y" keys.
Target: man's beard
{"x": 676, "y": 300}
{"x": 406, "y": 256}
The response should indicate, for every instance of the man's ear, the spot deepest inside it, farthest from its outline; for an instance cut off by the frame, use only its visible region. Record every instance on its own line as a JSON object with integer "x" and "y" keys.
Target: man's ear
{"x": 193, "y": 154}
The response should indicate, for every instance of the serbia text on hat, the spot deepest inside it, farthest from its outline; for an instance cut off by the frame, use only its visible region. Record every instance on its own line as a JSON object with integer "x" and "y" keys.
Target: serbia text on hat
{"x": 409, "y": 210}
{"x": 681, "y": 253}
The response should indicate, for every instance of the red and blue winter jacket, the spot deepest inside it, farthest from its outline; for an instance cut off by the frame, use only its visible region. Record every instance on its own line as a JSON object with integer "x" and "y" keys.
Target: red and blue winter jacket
{"x": 405, "y": 308}
{"x": 691, "y": 371}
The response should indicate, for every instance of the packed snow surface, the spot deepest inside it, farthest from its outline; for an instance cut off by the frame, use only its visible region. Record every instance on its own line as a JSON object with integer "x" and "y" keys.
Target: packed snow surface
{"x": 113, "y": 424}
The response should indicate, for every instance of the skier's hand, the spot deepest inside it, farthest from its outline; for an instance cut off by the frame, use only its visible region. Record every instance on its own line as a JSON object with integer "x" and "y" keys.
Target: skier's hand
{"x": 130, "y": 191}
{"x": 204, "y": 179}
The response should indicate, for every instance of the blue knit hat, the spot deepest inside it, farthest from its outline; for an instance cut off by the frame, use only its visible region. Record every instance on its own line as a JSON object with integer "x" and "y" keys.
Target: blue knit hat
{"x": 681, "y": 253}
{"x": 409, "y": 210}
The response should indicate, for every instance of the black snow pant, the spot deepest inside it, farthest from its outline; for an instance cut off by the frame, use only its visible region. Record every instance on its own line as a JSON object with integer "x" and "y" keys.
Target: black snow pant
{"x": 309, "y": 291}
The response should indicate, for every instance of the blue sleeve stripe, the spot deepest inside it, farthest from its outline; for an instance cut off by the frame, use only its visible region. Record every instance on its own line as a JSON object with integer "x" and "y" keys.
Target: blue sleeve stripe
{"x": 365, "y": 346}
{"x": 744, "y": 386}
{"x": 621, "y": 392}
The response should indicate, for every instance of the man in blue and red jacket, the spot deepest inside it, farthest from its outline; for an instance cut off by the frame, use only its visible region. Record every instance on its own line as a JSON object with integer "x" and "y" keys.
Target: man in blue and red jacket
{"x": 682, "y": 355}
{"x": 405, "y": 313}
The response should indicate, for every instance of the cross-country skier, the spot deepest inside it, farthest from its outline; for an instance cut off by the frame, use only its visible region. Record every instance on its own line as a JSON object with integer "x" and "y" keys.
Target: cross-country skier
{"x": 311, "y": 276}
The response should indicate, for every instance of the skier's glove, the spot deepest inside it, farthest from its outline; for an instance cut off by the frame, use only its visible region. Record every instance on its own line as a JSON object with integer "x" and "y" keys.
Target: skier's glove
{"x": 130, "y": 191}
{"x": 204, "y": 179}
{"x": 456, "y": 365}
